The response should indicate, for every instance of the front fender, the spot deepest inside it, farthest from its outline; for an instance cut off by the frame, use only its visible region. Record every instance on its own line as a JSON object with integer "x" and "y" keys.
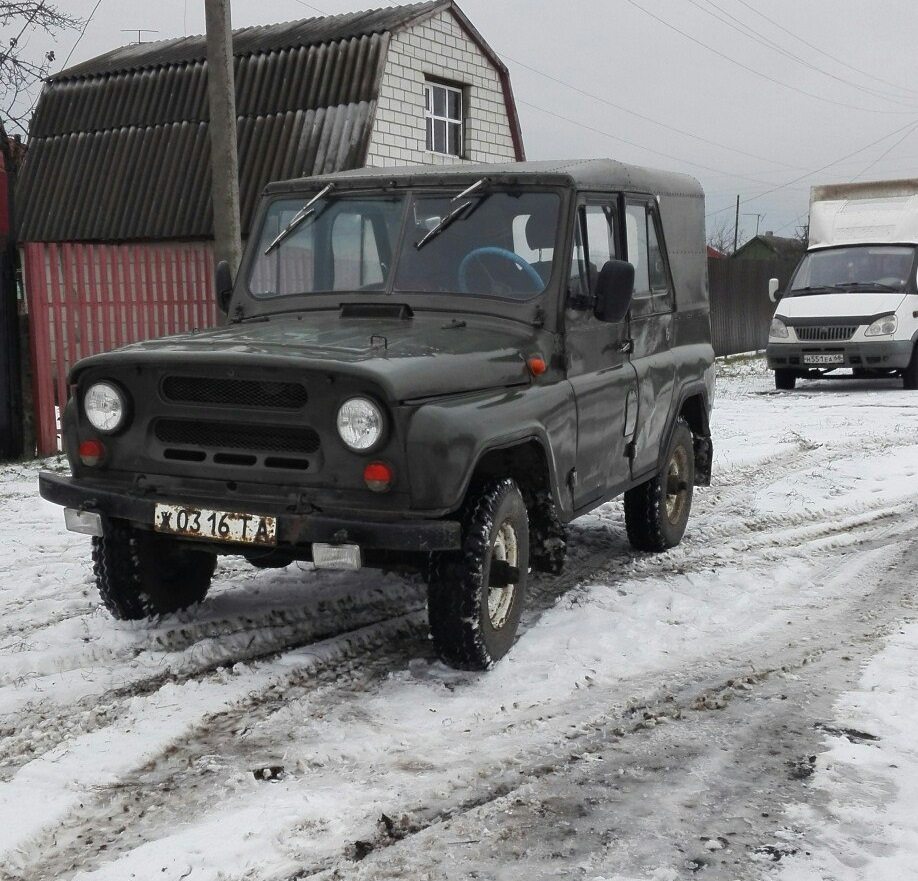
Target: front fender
{"x": 447, "y": 438}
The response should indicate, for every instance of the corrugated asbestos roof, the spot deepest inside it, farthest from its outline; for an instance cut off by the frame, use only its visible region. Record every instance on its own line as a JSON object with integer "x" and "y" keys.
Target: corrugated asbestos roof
{"x": 119, "y": 149}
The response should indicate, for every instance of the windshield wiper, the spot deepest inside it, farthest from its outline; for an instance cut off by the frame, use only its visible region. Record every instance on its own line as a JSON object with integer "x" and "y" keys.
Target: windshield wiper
{"x": 453, "y": 215}
{"x": 866, "y": 285}
{"x": 816, "y": 289}
{"x": 306, "y": 211}
{"x": 443, "y": 224}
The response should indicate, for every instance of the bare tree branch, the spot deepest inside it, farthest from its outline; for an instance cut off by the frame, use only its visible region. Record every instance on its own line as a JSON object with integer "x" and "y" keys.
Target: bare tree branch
{"x": 20, "y": 70}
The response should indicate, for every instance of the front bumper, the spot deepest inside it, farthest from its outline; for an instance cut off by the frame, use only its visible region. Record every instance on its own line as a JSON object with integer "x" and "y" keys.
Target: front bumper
{"x": 293, "y": 530}
{"x": 885, "y": 355}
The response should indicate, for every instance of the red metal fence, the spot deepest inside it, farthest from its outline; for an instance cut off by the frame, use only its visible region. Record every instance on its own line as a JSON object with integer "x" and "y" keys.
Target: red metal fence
{"x": 84, "y": 299}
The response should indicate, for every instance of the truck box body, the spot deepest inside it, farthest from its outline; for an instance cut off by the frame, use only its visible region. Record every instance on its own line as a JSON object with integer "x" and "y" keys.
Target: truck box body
{"x": 853, "y": 300}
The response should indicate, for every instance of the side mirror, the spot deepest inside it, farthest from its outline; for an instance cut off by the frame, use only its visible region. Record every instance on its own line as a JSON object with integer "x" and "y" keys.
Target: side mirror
{"x": 614, "y": 290}
{"x": 773, "y": 294}
{"x": 224, "y": 286}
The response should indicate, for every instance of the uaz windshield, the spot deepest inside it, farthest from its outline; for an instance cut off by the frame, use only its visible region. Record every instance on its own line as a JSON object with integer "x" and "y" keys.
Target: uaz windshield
{"x": 864, "y": 268}
{"x": 489, "y": 243}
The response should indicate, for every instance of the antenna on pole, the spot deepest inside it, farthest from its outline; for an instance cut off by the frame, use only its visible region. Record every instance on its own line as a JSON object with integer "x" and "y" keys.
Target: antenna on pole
{"x": 139, "y": 32}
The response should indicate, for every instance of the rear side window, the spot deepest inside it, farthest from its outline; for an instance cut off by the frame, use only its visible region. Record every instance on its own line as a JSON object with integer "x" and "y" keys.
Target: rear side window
{"x": 653, "y": 291}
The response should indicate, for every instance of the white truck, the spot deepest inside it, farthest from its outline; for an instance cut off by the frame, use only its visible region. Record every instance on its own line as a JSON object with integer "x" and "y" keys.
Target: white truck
{"x": 853, "y": 300}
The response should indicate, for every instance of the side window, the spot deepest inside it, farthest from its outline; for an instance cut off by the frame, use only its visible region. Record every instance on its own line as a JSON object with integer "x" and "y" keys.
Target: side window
{"x": 657, "y": 268}
{"x": 636, "y": 234}
{"x": 594, "y": 246}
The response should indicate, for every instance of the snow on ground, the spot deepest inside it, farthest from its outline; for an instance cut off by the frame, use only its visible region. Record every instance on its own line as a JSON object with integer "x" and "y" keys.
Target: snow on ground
{"x": 296, "y": 723}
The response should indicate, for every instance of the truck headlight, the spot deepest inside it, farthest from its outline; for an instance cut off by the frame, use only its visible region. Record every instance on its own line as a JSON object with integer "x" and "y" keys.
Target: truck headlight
{"x": 882, "y": 326}
{"x": 105, "y": 406}
{"x": 778, "y": 330}
{"x": 360, "y": 424}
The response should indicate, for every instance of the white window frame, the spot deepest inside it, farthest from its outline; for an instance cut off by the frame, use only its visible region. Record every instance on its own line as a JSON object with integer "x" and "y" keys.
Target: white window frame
{"x": 433, "y": 118}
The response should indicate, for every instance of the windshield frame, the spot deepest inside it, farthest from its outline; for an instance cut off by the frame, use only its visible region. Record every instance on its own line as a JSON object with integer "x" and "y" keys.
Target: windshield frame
{"x": 861, "y": 287}
{"x": 254, "y": 304}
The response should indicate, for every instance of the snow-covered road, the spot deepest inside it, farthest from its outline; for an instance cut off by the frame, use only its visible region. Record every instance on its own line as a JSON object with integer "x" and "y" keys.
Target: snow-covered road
{"x": 741, "y": 706}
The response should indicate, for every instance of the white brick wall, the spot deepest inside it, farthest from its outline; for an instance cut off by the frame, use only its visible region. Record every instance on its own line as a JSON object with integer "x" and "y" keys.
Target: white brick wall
{"x": 440, "y": 49}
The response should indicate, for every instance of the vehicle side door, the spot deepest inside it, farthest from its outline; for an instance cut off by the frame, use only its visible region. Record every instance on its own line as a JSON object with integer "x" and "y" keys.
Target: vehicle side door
{"x": 651, "y": 329}
{"x": 598, "y": 365}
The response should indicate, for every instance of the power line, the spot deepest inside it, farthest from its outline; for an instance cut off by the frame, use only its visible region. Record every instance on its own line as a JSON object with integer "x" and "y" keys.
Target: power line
{"x": 679, "y": 159}
{"x": 910, "y": 126}
{"x": 823, "y": 53}
{"x": 752, "y": 70}
{"x": 641, "y": 115}
{"x": 80, "y": 37}
{"x": 741, "y": 27}
{"x": 886, "y": 153}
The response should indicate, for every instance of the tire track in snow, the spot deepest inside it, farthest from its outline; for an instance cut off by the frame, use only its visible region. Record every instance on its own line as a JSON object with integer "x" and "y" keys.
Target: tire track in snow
{"x": 162, "y": 793}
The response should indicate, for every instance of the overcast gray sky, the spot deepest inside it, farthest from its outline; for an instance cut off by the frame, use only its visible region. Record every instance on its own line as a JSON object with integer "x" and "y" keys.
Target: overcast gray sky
{"x": 753, "y": 99}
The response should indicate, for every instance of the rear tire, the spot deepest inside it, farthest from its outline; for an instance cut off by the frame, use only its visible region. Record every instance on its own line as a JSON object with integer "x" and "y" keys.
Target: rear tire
{"x": 141, "y": 574}
{"x": 657, "y": 511}
{"x": 785, "y": 380}
{"x": 474, "y": 624}
{"x": 910, "y": 374}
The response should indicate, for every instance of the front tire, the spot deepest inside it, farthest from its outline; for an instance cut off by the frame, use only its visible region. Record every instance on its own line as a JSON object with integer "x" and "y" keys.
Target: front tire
{"x": 657, "y": 511}
{"x": 475, "y": 595}
{"x": 785, "y": 380}
{"x": 141, "y": 574}
{"x": 910, "y": 374}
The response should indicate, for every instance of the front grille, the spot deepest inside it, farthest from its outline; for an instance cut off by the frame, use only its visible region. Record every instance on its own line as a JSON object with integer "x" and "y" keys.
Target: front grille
{"x": 229, "y": 435}
{"x": 235, "y": 392}
{"x": 831, "y": 333}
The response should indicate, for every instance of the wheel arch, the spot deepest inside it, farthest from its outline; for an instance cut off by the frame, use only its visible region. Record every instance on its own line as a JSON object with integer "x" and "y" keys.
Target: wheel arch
{"x": 694, "y": 407}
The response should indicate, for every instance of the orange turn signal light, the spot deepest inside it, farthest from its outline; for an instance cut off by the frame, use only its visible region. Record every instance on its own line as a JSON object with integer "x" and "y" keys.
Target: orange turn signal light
{"x": 537, "y": 365}
{"x": 378, "y": 476}
{"x": 92, "y": 453}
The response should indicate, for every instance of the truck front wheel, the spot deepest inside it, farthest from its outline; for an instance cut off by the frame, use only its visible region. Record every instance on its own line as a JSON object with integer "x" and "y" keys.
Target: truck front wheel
{"x": 475, "y": 595}
{"x": 657, "y": 511}
{"x": 785, "y": 380}
{"x": 910, "y": 374}
{"x": 141, "y": 574}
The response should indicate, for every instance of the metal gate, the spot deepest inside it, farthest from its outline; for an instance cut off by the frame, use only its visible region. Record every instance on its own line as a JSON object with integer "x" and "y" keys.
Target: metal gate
{"x": 84, "y": 299}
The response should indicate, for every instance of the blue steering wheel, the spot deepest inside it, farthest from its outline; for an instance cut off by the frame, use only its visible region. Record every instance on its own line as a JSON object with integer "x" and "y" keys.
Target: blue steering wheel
{"x": 537, "y": 283}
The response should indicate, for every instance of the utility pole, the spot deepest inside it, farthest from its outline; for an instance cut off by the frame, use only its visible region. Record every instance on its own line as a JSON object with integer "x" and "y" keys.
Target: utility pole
{"x": 736, "y": 225}
{"x": 224, "y": 160}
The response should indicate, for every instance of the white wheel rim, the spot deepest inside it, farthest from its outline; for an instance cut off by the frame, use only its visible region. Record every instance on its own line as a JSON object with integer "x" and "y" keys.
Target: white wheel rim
{"x": 500, "y": 599}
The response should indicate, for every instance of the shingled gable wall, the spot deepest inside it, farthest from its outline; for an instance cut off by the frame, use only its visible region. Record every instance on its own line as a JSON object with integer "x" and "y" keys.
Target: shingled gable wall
{"x": 438, "y": 48}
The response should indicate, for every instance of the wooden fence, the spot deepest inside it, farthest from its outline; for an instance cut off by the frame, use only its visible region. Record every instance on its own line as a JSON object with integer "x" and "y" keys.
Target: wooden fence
{"x": 741, "y": 310}
{"x": 86, "y": 298}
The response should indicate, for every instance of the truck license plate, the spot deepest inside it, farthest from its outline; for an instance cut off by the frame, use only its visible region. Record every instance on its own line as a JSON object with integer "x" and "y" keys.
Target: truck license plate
{"x": 235, "y": 526}
{"x": 835, "y": 358}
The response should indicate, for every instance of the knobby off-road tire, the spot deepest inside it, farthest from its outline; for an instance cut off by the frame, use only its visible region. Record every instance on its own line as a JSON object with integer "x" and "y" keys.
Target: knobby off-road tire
{"x": 657, "y": 511}
{"x": 785, "y": 380}
{"x": 910, "y": 374}
{"x": 472, "y": 623}
{"x": 141, "y": 574}
{"x": 547, "y": 534}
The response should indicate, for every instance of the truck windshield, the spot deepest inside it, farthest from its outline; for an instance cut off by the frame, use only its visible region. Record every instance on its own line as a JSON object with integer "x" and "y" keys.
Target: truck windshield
{"x": 864, "y": 268}
{"x": 488, "y": 243}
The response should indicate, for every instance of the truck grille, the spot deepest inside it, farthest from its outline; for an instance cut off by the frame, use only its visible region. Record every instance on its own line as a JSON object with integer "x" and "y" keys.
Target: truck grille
{"x": 235, "y": 392}
{"x": 826, "y": 333}
{"x": 229, "y": 435}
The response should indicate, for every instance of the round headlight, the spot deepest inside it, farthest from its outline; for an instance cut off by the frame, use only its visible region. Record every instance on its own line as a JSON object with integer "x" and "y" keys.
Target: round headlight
{"x": 360, "y": 424}
{"x": 105, "y": 406}
{"x": 882, "y": 326}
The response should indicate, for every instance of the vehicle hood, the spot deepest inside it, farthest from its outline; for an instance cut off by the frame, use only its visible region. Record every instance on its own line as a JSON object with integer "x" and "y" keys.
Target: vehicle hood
{"x": 424, "y": 356}
{"x": 841, "y": 306}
